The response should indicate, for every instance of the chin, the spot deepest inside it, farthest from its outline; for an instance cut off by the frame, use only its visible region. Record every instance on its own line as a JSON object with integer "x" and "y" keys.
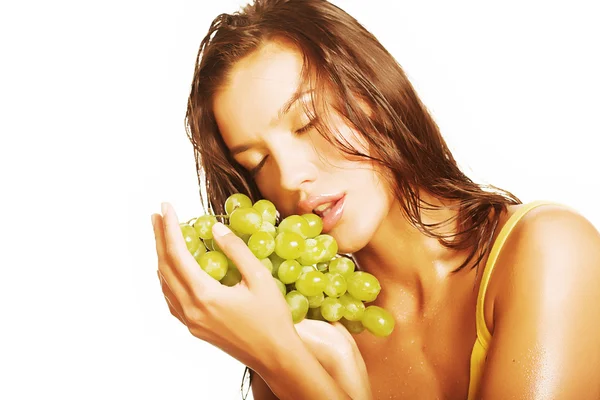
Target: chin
{"x": 354, "y": 234}
{"x": 350, "y": 240}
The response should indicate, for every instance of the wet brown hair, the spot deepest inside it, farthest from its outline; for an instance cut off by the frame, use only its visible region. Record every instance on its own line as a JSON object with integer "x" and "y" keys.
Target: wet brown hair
{"x": 342, "y": 60}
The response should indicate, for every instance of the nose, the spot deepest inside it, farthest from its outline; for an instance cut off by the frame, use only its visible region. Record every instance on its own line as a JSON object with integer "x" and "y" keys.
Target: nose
{"x": 296, "y": 167}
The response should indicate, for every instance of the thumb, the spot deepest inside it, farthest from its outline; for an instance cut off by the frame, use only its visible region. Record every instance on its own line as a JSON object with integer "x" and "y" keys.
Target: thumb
{"x": 252, "y": 270}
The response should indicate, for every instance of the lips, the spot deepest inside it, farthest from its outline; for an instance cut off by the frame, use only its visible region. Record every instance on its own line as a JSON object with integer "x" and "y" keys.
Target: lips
{"x": 318, "y": 204}
{"x": 329, "y": 207}
{"x": 322, "y": 209}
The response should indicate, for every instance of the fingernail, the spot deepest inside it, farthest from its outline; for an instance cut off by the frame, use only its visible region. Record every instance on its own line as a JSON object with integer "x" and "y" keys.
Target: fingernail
{"x": 219, "y": 229}
{"x": 152, "y": 218}
{"x": 163, "y": 208}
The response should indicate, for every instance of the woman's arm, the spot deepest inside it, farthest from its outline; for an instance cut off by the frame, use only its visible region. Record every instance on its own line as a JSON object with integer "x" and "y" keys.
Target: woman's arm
{"x": 269, "y": 342}
{"x": 546, "y": 330}
{"x": 336, "y": 351}
{"x": 299, "y": 375}
{"x": 260, "y": 389}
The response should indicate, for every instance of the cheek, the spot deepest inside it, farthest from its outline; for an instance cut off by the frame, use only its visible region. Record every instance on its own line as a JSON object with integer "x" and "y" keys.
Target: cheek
{"x": 371, "y": 200}
{"x": 270, "y": 189}
{"x": 349, "y": 138}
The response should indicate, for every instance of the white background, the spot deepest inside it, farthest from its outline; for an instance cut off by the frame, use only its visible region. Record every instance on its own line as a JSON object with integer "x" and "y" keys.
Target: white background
{"x": 93, "y": 97}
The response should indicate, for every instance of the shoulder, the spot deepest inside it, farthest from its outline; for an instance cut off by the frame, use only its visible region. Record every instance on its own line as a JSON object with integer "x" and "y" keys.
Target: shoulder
{"x": 545, "y": 309}
{"x": 552, "y": 234}
{"x": 552, "y": 250}
{"x": 550, "y": 222}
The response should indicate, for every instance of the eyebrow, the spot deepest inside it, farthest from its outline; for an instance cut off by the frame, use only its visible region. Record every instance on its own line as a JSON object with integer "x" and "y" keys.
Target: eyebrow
{"x": 280, "y": 114}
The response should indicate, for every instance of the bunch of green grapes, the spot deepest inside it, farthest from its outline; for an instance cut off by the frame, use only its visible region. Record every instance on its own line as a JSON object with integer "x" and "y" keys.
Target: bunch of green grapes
{"x": 317, "y": 282}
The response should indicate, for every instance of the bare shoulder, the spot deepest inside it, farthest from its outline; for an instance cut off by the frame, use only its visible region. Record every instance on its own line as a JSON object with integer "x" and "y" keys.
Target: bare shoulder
{"x": 553, "y": 249}
{"x": 552, "y": 222}
{"x": 551, "y": 242}
{"x": 546, "y": 330}
{"x": 554, "y": 235}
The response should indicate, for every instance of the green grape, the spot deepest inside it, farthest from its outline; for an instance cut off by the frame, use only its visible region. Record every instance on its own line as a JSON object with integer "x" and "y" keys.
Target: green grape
{"x": 192, "y": 242}
{"x": 267, "y": 210}
{"x": 230, "y": 262}
{"x": 298, "y": 305}
{"x": 311, "y": 283}
{"x": 316, "y": 282}
{"x": 214, "y": 263}
{"x": 211, "y": 244}
{"x": 238, "y": 200}
{"x": 363, "y": 286}
{"x": 322, "y": 266}
{"x": 261, "y": 244}
{"x": 245, "y": 220}
{"x": 268, "y": 227}
{"x": 203, "y": 226}
{"x": 335, "y": 285}
{"x": 332, "y": 309}
{"x": 307, "y": 268}
{"x": 267, "y": 263}
{"x": 289, "y": 245}
{"x": 315, "y": 313}
{"x": 281, "y": 286}
{"x": 232, "y": 277}
{"x": 313, "y": 252}
{"x": 315, "y": 224}
{"x": 353, "y": 327}
{"x": 276, "y": 261}
{"x": 199, "y": 251}
{"x": 342, "y": 265}
{"x": 316, "y": 301}
{"x": 289, "y": 271}
{"x": 354, "y": 308}
{"x": 378, "y": 321}
{"x": 330, "y": 245}
{"x": 295, "y": 223}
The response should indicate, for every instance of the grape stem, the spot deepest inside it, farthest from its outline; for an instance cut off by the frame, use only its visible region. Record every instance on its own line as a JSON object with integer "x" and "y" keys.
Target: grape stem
{"x": 223, "y": 217}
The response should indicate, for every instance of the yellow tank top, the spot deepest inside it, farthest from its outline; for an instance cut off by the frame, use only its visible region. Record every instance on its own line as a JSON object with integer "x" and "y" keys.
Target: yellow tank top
{"x": 479, "y": 353}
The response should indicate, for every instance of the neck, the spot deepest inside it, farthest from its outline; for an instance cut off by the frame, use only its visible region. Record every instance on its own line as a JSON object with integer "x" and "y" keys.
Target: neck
{"x": 402, "y": 256}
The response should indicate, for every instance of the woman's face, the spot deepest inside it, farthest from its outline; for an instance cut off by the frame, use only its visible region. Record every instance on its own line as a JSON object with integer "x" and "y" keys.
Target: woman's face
{"x": 293, "y": 165}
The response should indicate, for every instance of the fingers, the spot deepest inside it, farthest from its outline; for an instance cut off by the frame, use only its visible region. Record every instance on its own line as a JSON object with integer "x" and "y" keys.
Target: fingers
{"x": 174, "y": 306}
{"x": 157, "y": 224}
{"x": 182, "y": 262}
{"x": 340, "y": 358}
{"x": 325, "y": 341}
{"x": 318, "y": 333}
{"x": 166, "y": 272}
{"x": 342, "y": 329}
{"x": 332, "y": 335}
{"x": 252, "y": 270}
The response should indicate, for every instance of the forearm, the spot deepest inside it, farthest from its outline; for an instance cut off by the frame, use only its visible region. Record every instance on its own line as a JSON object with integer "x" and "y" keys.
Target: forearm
{"x": 297, "y": 375}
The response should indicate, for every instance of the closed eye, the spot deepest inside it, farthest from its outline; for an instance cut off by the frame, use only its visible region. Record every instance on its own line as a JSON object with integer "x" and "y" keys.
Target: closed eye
{"x": 256, "y": 169}
{"x": 307, "y": 127}
{"x": 300, "y": 131}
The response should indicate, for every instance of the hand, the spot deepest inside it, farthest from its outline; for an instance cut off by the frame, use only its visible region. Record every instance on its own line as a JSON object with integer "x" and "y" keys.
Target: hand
{"x": 250, "y": 321}
{"x": 336, "y": 350}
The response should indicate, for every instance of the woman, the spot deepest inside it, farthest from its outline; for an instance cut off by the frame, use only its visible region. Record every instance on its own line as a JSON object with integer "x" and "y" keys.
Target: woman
{"x": 295, "y": 102}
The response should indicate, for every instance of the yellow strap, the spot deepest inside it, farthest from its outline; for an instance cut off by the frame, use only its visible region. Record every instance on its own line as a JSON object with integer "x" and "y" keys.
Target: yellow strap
{"x": 478, "y": 356}
{"x": 483, "y": 334}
